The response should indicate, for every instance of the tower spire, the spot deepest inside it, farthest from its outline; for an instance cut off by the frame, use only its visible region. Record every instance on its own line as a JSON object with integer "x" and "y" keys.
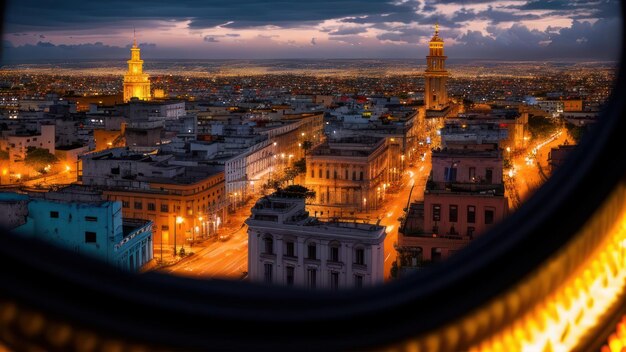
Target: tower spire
{"x": 134, "y": 37}
{"x": 437, "y": 28}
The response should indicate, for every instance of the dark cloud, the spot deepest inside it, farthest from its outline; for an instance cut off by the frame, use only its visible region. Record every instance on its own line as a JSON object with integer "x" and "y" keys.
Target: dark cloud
{"x": 313, "y": 41}
{"x": 75, "y": 14}
{"x": 582, "y": 40}
{"x": 405, "y": 35}
{"x": 348, "y": 31}
{"x": 574, "y": 8}
{"x": 50, "y": 51}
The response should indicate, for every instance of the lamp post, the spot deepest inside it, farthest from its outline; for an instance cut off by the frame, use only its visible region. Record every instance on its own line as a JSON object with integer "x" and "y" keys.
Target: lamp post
{"x": 179, "y": 220}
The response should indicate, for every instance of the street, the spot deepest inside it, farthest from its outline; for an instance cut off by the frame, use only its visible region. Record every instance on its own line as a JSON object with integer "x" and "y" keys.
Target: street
{"x": 229, "y": 259}
{"x": 531, "y": 170}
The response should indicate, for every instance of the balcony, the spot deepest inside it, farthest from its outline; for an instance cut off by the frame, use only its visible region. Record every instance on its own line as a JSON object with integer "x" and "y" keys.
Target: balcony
{"x": 465, "y": 188}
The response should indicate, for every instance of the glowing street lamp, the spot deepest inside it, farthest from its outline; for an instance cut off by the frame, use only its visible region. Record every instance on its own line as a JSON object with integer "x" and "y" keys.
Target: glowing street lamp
{"x": 179, "y": 220}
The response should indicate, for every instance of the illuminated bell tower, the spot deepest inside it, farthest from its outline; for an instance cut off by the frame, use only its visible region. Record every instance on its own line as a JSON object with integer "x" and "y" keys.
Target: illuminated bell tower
{"x": 436, "y": 76}
{"x": 136, "y": 83}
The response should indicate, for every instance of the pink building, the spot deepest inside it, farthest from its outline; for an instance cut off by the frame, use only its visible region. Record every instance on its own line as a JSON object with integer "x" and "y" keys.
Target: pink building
{"x": 463, "y": 198}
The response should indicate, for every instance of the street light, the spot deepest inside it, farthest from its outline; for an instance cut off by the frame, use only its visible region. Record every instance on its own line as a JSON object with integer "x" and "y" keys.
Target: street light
{"x": 179, "y": 220}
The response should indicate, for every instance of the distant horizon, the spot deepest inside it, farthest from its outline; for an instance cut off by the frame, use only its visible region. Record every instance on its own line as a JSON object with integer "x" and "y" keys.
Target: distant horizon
{"x": 159, "y": 59}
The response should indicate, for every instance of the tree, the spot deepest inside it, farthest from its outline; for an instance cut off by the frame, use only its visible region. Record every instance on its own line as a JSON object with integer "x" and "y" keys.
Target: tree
{"x": 40, "y": 159}
{"x": 290, "y": 174}
{"x": 394, "y": 270}
{"x": 541, "y": 127}
{"x": 576, "y": 132}
{"x": 306, "y": 145}
{"x": 300, "y": 166}
{"x": 297, "y": 191}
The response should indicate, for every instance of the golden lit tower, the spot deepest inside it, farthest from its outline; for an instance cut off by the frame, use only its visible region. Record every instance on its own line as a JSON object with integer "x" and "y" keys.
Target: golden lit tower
{"x": 136, "y": 83}
{"x": 436, "y": 76}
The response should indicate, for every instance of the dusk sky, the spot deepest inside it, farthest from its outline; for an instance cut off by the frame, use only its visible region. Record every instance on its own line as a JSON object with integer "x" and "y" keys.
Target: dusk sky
{"x": 251, "y": 29}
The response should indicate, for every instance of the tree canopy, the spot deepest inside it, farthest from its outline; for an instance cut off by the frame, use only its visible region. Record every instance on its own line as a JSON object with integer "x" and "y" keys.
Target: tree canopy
{"x": 39, "y": 159}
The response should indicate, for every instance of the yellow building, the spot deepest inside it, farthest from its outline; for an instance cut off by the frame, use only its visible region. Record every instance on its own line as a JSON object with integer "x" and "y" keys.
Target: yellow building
{"x": 136, "y": 83}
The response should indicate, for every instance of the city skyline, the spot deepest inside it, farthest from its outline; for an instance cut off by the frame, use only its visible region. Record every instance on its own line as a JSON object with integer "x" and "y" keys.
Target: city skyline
{"x": 517, "y": 29}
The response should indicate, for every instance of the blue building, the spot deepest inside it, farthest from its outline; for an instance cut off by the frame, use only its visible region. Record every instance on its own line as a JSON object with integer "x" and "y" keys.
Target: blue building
{"x": 79, "y": 220}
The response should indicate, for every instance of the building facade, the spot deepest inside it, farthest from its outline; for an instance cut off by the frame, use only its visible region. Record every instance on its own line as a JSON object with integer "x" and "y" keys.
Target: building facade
{"x": 185, "y": 203}
{"x": 464, "y": 197}
{"x": 287, "y": 246}
{"x": 80, "y": 221}
{"x": 348, "y": 176}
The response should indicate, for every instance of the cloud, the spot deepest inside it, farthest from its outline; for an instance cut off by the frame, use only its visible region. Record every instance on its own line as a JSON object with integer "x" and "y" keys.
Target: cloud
{"x": 406, "y": 34}
{"x": 313, "y": 41}
{"x": 583, "y": 40}
{"x": 210, "y": 39}
{"x": 348, "y": 31}
{"x": 42, "y": 36}
{"x": 77, "y": 14}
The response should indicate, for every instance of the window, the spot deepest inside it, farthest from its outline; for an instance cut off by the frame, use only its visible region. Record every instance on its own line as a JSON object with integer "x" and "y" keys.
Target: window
{"x": 359, "y": 256}
{"x": 436, "y": 212}
{"x": 290, "y": 249}
{"x": 125, "y": 204}
{"x": 91, "y": 218}
{"x": 489, "y": 176}
{"x": 470, "y": 232}
{"x": 353, "y": 175}
{"x": 450, "y": 174}
{"x": 151, "y": 207}
{"x": 319, "y": 173}
{"x": 311, "y": 277}
{"x": 90, "y": 237}
{"x": 489, "y": 214}
{"x": 165, "y": 208}
{"x": 358, "y": 281}
{"x": 269, "y": 245}
{"x": 471, "y": 214}
{"x": 115, "y": 170}
{"x": 327, "y": 174}
{"x": 346, "y": 175}
{"x": 472, "y": 174}
{"x": 138, "y": 205}
{"x": 335, "y": 174}
{"x": 334, "y": 280}
{"x": 54, "y": 214}
{"x": 454, "y": 213}
{"x": 289, "y": 273}
{"x": 361, "y": 176}
{"x": 311, "y": 251}
{"x": 268, "y": 273}
{"x": 334, "y": 253}
{"x": 312, "y": 173}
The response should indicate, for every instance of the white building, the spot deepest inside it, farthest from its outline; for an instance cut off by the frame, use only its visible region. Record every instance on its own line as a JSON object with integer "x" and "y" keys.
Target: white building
{"x": 287, "y": 246}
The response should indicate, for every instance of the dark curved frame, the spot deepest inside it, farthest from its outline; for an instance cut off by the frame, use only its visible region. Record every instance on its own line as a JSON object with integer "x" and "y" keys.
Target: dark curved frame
{"x": 179, "y": 313}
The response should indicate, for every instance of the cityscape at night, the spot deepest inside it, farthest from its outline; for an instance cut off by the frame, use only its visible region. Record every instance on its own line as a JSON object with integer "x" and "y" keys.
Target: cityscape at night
{"x": 324, "y": 147}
